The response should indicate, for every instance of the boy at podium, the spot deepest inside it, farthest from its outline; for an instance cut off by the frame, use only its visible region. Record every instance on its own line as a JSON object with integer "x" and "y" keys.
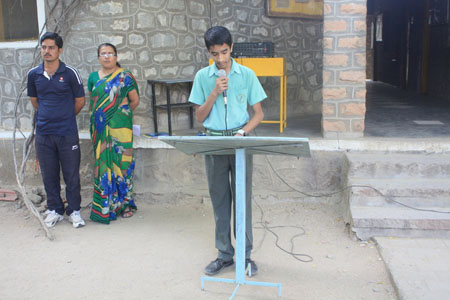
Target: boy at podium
{"x": 222, "y": 92}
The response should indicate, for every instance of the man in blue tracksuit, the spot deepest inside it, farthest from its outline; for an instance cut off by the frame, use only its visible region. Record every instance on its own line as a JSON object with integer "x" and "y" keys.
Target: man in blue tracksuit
{"x": 228, "y": 118}
{"x": 56, "y": 92}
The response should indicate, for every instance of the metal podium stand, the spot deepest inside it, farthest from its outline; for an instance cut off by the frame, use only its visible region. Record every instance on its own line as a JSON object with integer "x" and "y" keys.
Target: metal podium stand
{"x": 240, "y": 146}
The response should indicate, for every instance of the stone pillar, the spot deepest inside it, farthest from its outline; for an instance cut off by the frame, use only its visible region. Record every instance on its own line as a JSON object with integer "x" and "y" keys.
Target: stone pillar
{"x": 344, "y": 65}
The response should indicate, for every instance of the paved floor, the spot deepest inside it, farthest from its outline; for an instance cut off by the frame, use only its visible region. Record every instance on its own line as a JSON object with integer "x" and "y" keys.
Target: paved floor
{"x": 393, "y": 112}
{"x": 419, "y": 268}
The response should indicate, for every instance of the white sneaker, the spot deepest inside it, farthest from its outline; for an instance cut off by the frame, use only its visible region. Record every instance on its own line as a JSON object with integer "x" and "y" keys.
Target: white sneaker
{"x": 52, "y": 218}
{"x": 76, "y": 219}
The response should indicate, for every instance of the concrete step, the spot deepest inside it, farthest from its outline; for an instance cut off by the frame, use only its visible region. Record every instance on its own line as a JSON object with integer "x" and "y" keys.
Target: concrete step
{"x": 417, "y": 192}
{"x": 398, "y": 194}
{"x": 399, "y": 221}
{"x": 394, "y": 165}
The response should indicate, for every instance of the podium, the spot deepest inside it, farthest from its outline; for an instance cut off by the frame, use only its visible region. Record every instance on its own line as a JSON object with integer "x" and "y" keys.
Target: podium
{"x": 239, "y": 146}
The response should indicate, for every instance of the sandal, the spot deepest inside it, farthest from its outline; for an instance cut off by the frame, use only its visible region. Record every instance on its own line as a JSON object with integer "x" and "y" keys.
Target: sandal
{"x": 127, "y": 212}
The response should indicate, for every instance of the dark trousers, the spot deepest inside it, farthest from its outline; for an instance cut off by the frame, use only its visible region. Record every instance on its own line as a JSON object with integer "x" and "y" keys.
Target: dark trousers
{"x": 219, "y": 170}
{"x": 57, "y": 153}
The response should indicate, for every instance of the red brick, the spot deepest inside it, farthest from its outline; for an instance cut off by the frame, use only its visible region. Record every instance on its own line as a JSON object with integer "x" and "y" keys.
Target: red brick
{"x": 352, "y": 109}
{"x": 353, "y": 9}
{"x": 329, "y": 110}
{"x": 352, "y": 76}
{"x": 335, "y": 60}
{"x": 359, "y": 26}
{"x": 334, "y": 125}
{"x": 360, "y": 59}
{"x": 327, "y": 9}
{"x": 334, "y": 93}
{"x": 360, "y": 93}
{"x": 358, "y": 125}
{"x": 326, "y": 76}
{"x": 352, "y": 42}
{"x": 335, "y": 26}
{"x": 328, "y": 42}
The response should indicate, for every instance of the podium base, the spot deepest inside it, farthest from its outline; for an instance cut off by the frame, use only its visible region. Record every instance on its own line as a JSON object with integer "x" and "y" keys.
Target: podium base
{"x": 238, "y": 284}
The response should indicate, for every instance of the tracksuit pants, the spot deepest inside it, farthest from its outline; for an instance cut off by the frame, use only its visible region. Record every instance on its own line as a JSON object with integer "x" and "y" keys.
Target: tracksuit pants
{"x": 56, "y": 153}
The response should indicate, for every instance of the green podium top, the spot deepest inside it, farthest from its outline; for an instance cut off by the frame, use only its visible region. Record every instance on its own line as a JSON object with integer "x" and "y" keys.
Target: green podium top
{"x": 225, "y": 145}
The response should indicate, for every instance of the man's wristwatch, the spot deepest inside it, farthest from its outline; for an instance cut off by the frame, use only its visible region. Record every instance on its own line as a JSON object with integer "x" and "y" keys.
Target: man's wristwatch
{"x": 241, "y": 132}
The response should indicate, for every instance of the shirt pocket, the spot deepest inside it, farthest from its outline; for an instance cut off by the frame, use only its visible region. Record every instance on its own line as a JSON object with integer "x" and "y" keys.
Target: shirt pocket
{"x": 241, "y": 96}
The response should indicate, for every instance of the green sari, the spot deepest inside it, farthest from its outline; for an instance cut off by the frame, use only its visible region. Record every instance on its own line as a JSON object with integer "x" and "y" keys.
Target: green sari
{"x": 111, "y": 129}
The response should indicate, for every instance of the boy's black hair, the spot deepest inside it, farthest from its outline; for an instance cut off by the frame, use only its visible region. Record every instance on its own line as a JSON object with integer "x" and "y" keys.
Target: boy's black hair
{"x": 53, "y": 36}
{"x": 217, "y": 35}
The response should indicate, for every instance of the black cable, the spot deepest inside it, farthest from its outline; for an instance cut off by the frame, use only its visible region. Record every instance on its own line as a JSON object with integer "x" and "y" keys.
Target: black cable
{"x": 269, "y": 229}
{"x": 386, "y": 197}
{"x": 226, "y": 115}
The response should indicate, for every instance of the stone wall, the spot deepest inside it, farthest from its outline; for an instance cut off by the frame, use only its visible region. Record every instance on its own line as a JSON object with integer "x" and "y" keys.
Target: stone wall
{"x": 168, "y": 176}
{"x": 344, "y": 64}
{"x": 164, "y": 38}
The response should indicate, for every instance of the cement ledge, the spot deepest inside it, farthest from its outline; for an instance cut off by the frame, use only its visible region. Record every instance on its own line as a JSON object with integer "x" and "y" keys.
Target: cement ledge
{"x": 427, "y": 145}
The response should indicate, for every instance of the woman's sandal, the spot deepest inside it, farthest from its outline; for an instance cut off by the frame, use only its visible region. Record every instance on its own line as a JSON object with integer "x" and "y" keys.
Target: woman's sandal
{"x": 127, "y": 212}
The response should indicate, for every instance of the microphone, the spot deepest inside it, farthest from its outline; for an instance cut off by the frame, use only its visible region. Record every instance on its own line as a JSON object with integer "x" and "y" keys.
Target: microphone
{"x": 224, "y": 93}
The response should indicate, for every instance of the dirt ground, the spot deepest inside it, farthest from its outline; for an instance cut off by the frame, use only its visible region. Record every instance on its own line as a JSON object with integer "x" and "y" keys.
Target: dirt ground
{"x": 160, "y": 253}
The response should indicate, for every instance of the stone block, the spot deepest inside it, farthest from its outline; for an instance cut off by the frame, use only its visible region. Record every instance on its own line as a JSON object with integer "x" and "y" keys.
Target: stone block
{"x": 200, "y": 25}
{"x": 152, "y": 4}
{"x": 150, "y": 72}
{"x": 85, "y": 25}
{"x": 143, "y": 57}
{"x": 196, "y": 8}
{"x": 162, "y": 19}
{"x": 188, "y": 71}
{"x": 169, "y": 71}
{"x": 81, "y": 39}
{"x": 184, "y": 56}
{"x": 137, "y": 39}
{"x": 163, "y": 57}
{"x": 25, "y": 57}
{"x": 176, "y": 5}
{"x": 179, "y": 22}
{"x": 117, "y": 40}
{"x": 145, "y": 20}
{"x": 7, "y": 55}
{"x": 8, "y": 88}
{"x": 105, "y": 9}
{"x": 162, "y": 40}
{"x": 224, "y": 12}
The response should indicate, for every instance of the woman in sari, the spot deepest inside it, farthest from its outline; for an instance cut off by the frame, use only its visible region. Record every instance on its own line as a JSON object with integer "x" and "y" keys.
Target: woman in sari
{"x": 114, "y": 96}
